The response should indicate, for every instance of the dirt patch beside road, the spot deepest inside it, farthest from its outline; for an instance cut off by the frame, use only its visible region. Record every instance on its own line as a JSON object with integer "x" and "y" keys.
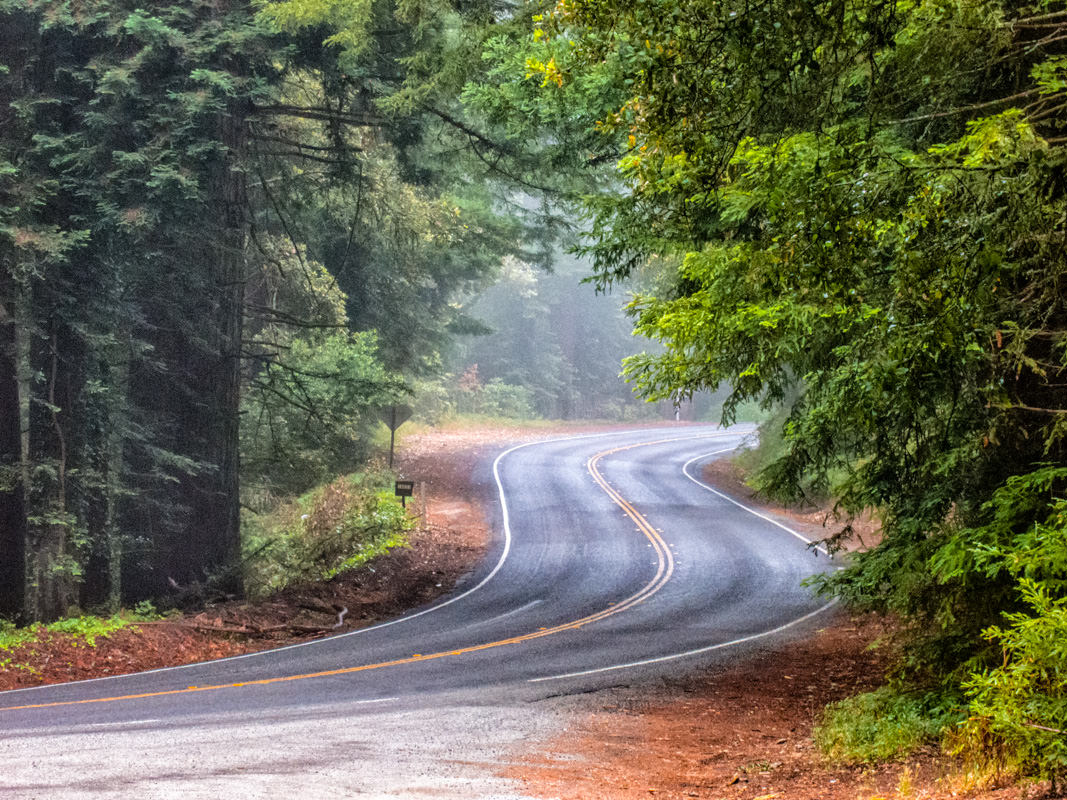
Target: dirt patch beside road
{"x": 742, "y": 733}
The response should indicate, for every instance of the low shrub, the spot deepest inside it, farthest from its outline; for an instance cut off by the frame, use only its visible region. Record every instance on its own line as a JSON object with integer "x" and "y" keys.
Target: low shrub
{"x": 883, "y": 725}
{"x": 1017, "y": 690}
{"x": 328, "y": 531}
{"x": 82, "y": 630}
{"x": 500, "y": 399}
{"x": 1018, "y": 710}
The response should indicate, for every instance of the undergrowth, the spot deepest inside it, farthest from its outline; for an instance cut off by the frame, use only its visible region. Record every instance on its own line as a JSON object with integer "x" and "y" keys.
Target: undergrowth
{"x": 884, "y": 725}
{"x": 325, "y": 532}
{"x": 81, "y": 631}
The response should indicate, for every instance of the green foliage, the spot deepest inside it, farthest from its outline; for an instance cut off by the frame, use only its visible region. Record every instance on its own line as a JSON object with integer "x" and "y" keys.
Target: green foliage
{"x": 758, "y": 458}
{"x": 468, "y": 395}
{"x": 83, "y": 630}
{"x": 113, "y": 119}
{"x": 557, "y": 339}
{"x": 499, "y": 399}
{"x": 863, "y": 229}
{"x": 12, "y": 635}
{"x": 326, "y": 532}
{"x": 87, "y": 629}
{"x": 307, "y": 412}
{"x": 432, "y": 402}
{"x": 1018, "y": 708}
{"x": 212, "y": 217}
{"x": 883, "y": 725}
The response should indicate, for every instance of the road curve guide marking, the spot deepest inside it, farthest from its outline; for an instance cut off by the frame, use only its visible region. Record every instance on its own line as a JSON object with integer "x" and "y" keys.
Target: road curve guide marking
{"x": 719, "y": 645}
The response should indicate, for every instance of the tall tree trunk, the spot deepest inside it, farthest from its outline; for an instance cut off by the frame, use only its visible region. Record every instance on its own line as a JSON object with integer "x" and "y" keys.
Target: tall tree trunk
{"x": 116, "y": 443}
{"x": 210, "y": 546}
{"x": 232, "y": 194}
{"x": 53, "y": 564}
{"x": 31, "y": 606}
{"x": 12, "y": 510}
{"x": 109, "y": 416}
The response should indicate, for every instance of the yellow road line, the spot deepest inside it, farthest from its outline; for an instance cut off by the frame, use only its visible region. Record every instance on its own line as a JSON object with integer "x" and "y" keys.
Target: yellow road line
{"x": 664, "y": 570}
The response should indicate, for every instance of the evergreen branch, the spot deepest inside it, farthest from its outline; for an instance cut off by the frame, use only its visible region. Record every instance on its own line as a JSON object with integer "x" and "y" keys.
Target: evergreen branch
{"x": 1035, "y": 726}
{"x": 1037, "y": 18}
{"x": 964, "y": 109}
{"x": 303, "y": 146}
{"x": 326, "y": 115}
{"x": 469, "y": 131}
{"x": 1025, "y": 407}
{"x": 291, "y": 319}
{"x": 336, "y": 162}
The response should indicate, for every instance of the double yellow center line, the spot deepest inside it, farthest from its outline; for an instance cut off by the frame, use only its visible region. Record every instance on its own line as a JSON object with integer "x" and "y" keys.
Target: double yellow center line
{"x": 664, "y": 570}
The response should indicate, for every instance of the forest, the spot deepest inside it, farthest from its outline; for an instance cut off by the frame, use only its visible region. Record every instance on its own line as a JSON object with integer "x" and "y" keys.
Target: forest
{"x": 229, "y": 237}
{"x": 231, "y": 232}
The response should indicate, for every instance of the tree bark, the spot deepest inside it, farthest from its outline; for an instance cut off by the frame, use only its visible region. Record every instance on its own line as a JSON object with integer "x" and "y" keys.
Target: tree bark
{"x": 53, "y": 564}
{"x": 12, "y": 508}
{"x": 232, "y": 198}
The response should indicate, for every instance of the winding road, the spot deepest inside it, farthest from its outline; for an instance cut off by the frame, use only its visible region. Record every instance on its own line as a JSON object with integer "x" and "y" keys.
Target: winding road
{"x": 612, "y": 563}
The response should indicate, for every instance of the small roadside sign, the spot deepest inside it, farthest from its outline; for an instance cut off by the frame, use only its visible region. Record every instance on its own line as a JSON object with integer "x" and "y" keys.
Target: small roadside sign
{"x": 393, "y": 417}
{"x": 404, "y": 490}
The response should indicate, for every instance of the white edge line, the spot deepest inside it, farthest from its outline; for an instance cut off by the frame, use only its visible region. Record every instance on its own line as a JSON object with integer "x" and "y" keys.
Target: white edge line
{"x": 702, "y": 485}
{"x": 721, "y": 645}
{"x": 450, "y": 601}
{"x": 687, "y": 653}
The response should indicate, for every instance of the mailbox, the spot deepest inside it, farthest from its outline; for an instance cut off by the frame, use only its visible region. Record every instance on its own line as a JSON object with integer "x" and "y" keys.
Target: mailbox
{"x": 404, "y": 490}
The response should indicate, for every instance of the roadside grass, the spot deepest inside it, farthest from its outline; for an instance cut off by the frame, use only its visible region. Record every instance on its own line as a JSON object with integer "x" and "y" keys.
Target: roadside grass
{"x": 80, "y": 631}
{"x": 324, "y": 532}
{"x": 884, "y": 725}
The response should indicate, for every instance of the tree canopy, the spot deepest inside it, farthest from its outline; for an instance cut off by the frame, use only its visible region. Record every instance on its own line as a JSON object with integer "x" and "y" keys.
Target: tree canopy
{"x": 230, "y": 230}
{"x": 227, "y": 235}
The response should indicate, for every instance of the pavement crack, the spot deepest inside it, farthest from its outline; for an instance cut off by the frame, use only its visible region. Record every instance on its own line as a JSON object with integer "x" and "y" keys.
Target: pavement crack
{"x": 577, "y": 692}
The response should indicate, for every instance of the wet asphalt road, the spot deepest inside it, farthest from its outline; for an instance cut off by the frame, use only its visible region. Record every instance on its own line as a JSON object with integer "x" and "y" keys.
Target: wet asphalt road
{"x": 611, "y": 564}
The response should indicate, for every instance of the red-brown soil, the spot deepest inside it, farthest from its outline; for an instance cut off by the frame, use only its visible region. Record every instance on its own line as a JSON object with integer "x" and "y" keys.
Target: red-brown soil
{"x": 738, "y": 734}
